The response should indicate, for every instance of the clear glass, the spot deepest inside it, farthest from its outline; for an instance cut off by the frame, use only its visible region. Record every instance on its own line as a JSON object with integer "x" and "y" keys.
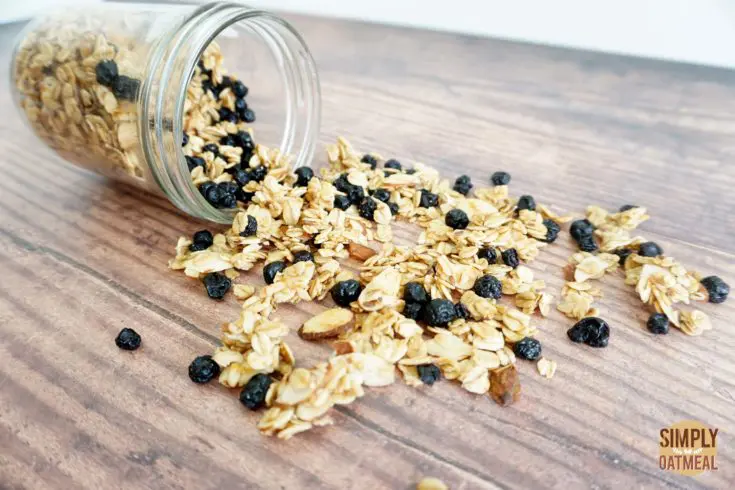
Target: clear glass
{"x": 132, "y": 129}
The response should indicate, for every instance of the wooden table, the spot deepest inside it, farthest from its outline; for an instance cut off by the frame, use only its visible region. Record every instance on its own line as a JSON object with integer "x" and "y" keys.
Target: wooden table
{"x": 82, "y": 258}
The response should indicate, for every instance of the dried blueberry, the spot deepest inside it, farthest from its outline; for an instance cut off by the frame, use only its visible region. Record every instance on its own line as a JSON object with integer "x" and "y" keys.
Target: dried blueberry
{"x": 248, "y": 116}
{"x": 500, "y": 178}
{"x": 211, "y": 193}
{"x": 717, "y": 289}
{"x": 463, "y": 185}
{"x": 341, "y": 183}
{"x": 457, "y": 219}
{"x": 127, "y": 339}
{"x": 228, "y": 187}
{"x": 410, "y": 171}
{"x": 439, "y": 312}
{"x": 106, "y": 72}
{"x": 226, "y": 82}
{"x": 242, "y": 177}
{"x": 194, "y": 162}
{"x": 125, "y": 88}
{"x": 345, "y": 292}
{"x": 259, "y": 173}
{"x": 593, "y": 331}
{"x": 254, "y": 391}
{"x": 414, "y": 292}
{"x": 367, "y": 208}
{"x": 211, "y": 147}
{"x": 393, "y": 208}
{"x": 217, "y": 285}
{"x": 526, "y": 202}
{"x": 244, "y": 140}
{"x": 203, "y": 369}
{"x": 381, "y": 195}
{"x": 527, "y": 348}
{"x": 201, "y": 240}
{"x": 394, "y": 164}
{"x": 244, "y": 197}
{"x": 341, "y": 201}
{"x": 429, "y": 373}
{"x": 270, "y": 270}
{"x": 251, "y": 228}
{"x": 627, "y": 207}
{"x": 650, "y": 249}
{"x": 370, "y": 160}
{"x": 581, "y": 228}
{"x": 510, "y": 257}
{"x": 228, "y": 140}
{"x": 623, "y": 254}
{"x": 489, "y": 254}
{"x": 184, "y": 139}
{"x": 303, "y": 256}
{"x": 658, "y": 323}
{"x": 227, "y": 201}
{"x": 414, "y": 311}
{"x": 552, "y": 230}
{"x": 303, "y": 176}
{"x": 241, "y": 106}
{"x": 356, "y": 194}
{"x": 587, "y": 244}
{"x": 488, "y": 286}
{"x": 239, "y": 89}
{"x": 227, "y": 115}
{"x": 428, "y": 199}
{"x": 461, "y": 311}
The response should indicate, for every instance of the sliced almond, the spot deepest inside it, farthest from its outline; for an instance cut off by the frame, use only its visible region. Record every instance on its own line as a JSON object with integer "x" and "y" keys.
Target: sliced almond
{"x": 326, "y": 324}
{"x": 360, "y": 252}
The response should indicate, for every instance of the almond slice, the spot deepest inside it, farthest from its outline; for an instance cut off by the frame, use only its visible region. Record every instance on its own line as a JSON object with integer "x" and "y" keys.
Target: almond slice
{"x": 360, "y": 252}
{"x": 326, "y": 324}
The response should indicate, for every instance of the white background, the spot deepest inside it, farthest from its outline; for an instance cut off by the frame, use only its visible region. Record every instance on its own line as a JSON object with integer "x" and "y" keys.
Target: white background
{"x": 698, "y": 31}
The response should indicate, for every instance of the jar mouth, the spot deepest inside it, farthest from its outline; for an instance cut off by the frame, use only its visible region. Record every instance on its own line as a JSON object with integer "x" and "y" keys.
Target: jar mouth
{"x": 164, "y": 96}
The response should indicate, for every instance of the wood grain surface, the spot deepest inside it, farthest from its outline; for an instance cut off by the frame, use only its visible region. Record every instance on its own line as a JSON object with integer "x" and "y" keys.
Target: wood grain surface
{"x": 81, "y": 257}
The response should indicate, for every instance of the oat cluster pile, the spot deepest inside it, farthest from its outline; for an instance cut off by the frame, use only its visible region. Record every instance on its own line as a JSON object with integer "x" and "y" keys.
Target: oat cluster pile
{"x": 78, "y": 76}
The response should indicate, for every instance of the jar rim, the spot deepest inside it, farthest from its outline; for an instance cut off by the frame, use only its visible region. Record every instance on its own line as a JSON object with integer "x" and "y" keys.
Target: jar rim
{"x": 177, "y": 60}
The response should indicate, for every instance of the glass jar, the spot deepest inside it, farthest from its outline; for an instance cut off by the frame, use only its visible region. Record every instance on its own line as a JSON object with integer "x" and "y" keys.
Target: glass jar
{"x": 126, "y": 119}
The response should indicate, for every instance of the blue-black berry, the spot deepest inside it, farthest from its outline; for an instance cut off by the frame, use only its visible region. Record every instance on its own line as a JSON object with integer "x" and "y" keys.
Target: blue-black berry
{"x": 211, "y": 147}
{"x": 439, "y": 312}
{"x": 270, "y": 270}
{"x": 527, "y": 348}
{"x": 463, "y": 185}
{"x": 552, "y": 230}
{"x": 106, "y": 72}
{"x": 217, "y": 285}
{"x": 370, "y": 160}
{"x": 489, "y": 254}
{"x": 227, "y": 115}
{"x": 203, "y": 369}
{"x": 587, "y": 244}
{"x": 251, "y": 228}
{"x": 429, "y": 373}
{"x": 201, "y": 240}
{"x": 593, "y": 331}
{"x": 717, "y": 289}
{"x": 393, "y": 208}
{"x": 259, "y": 173}
{"x": 500, "y": 178}
{"x": 457, "y": 219}
{"x": 228, "y": 140}
{"x": 381, "y": 195}
{"x": 341, "y": 201}
{"x": 461, "y": 311}
{"x": 194, "y": 162}
{"x": 254, "y": 391}
{"x": 125, "y": 88}
{"x": 127, "y": 339}
{"x": 303, "y": 256}
{"x": 303, "y": 176}
{"x": 526, "y": 202}
{"x": 581, "y": 228}
{"x": 341, "y": 183}
{"x": 248, "y": 116}
{"x": 414, "y": 311}
{"x": 627, "y": 207}
{"x": 211, "y": 193}
{"x": 510, "y": 257}
{"x": 239, "y": 89}
{"x": 488, "y": 286}
{"x": 345, "y": 292}
{"x": 658, "y": 323}
{"x": 242, "y": 177}
{"x": 367, "y": 208}
{"x": 414, "y": 292}
{"x": 650, "y": 249}
{"x": 184, "y": 139}
{"x": 244, "y": 140}
{"x": 428, "y": 199}
{"x": 393, "y": 164}
{"x": 356, "y": 194}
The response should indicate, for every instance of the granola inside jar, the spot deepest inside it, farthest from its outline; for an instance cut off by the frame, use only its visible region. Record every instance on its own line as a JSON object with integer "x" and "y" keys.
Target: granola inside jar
{"x": 119, "y": 88}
